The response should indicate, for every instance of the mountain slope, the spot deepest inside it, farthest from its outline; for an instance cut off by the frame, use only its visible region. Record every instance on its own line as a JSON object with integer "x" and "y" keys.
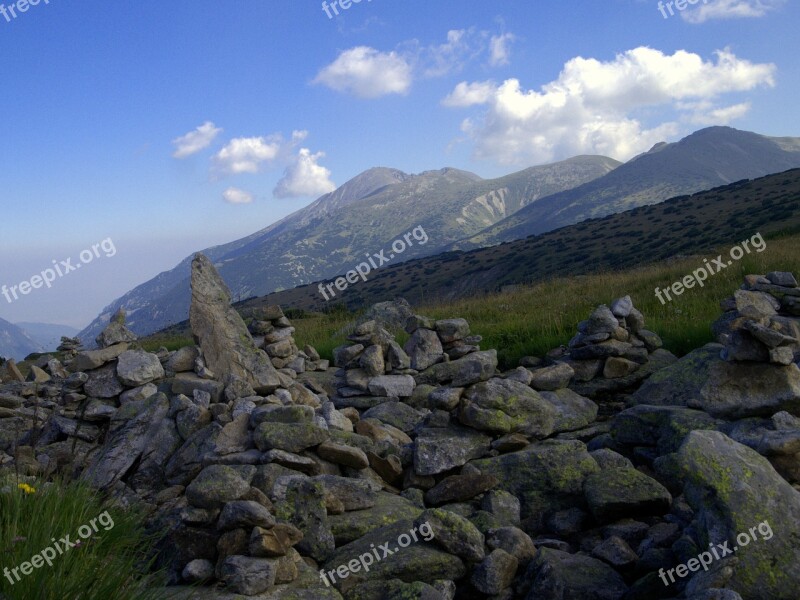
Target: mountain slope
{"x": 360, "y": 218}
{"x": 15, "y": 343}
{"x": 708, "y": 158}
{"x": 47, "y": 335}
{"x": 686, "y": 225}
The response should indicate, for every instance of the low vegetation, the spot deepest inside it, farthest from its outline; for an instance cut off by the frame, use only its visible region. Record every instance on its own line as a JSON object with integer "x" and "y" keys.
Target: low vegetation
{"x": 108, "y": 563}
{"x": 530, "y": 320}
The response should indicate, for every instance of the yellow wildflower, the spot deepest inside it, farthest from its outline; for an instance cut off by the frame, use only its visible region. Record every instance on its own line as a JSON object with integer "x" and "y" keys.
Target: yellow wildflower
{"x": 26, "y": 488}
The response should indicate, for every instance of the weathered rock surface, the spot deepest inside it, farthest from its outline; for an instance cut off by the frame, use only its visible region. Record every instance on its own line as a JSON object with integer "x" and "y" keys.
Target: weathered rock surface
{"x": 223, "y": 337}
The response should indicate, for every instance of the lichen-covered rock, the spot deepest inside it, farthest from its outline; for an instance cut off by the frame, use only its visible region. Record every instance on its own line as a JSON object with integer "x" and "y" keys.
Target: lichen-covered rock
{"x": 292, "y": 437}
{"x": 554, "y": 377}
{"x": 495, "y": 573}
{"x": 615, "y": 493}
{"x": 735, "y": 490}
{"x": 545, "y": 476}
{"x": 506, "y": 406}
{"x": 419, "y": 561}
{"x": 439, "y": 450}
{"x": 453, "y": 533}
{"x": 215, "y": 486}
{"x": 424, "y": 349}
{"x": 388, "y": 508}
{"x": 473, "y": 368}
{"x": 244, "y": 513}
{"x": 573, "y": 411}
{"x": 247, "y": 575}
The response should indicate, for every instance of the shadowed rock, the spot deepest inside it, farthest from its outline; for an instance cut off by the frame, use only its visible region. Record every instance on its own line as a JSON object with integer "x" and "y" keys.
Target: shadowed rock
{"x": 227, "y": 346}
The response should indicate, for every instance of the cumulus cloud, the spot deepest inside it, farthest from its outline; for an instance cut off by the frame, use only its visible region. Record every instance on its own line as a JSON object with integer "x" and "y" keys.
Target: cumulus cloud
{"x": 304, "y": 177}
{"x": 730, "y": 9}
{"x": 196, "y": 140}
{"x": 247, "y": 155}
{"x": 592, "y": 107}
{"x": 367, "y": 73}
{"x": 499, "y": 50}
{"x": 236, "y": 196}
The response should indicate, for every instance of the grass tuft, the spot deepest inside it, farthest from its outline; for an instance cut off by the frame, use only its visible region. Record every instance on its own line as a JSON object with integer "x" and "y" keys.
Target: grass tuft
{"x": 112, "y": 562}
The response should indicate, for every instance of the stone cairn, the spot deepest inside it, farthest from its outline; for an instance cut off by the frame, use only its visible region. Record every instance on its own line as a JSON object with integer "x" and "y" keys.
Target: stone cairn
{"x": 762, "y": 321}
{"x": 273, "y": 332}
{"x": 611, "y": 352}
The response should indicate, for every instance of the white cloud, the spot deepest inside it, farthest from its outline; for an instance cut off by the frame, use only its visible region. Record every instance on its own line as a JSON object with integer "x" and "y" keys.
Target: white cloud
{"x": 304, "y": 177}
{"x": 367, "y": 73}
{"x": 247, "y": 155}
{"x": 196, "y": 140}
{"x": 236, "y": 196}
{"x": 730, "y": 9}
{"x": 592, "y": 106}
{"x": 499, "y": 51}
{"x": 437, "y": 61}
{"x": 468, "y": 94}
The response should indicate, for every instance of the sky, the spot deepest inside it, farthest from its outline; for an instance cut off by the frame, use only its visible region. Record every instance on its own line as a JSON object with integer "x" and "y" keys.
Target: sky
{"x": 135, "y": 133}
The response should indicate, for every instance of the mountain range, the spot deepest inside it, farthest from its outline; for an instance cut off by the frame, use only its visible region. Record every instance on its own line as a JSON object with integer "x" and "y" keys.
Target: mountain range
{"x": 16, "y": 343}
{"x": 706, "y": 159}
{"x": 363, "y": 216}
{"x": 458, "y": 210}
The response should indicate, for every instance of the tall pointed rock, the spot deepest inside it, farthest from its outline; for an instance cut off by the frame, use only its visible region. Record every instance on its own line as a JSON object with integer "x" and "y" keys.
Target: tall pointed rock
{"x": 228, "y": 348}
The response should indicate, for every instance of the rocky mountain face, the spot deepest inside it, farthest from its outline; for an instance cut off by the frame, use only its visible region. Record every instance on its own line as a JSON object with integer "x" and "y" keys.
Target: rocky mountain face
{"x": 362, "y": 217}
{"x": 15, "y": 342}
{"x": 639, "y": 236}
{"x": 606, "y": 470}
{"x": 708, "y": 158}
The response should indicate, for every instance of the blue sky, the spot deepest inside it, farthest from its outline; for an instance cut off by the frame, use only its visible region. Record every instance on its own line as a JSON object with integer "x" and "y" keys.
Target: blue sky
{"x": 173, "y": 126}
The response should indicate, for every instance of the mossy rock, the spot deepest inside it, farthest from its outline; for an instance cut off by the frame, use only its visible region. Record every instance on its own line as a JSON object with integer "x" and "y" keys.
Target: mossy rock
{"x": 678, "y": 383}
{"x": 292, "y": 437}
{"x": 544, "y": 476}
{"x": 735, "y": 490}
{"x": 625, "y": 492}
{"x": 388, "y": 509}
{"x": 419, "y": 561}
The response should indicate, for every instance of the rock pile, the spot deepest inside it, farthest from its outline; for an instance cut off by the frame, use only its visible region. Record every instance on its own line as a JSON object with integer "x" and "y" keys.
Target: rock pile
{"x": 273, "y": 332}
{"x": 612, "y": 352}
{"x": 762, "y": 321}
{"x": 274, "y": 481}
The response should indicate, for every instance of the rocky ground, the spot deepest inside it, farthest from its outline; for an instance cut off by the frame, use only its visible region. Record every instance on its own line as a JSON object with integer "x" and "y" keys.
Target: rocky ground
{"x": 598, "y": 472}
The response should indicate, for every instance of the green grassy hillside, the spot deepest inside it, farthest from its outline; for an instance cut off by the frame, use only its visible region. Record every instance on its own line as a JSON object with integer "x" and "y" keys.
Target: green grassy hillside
{"x": 532, "y": 319}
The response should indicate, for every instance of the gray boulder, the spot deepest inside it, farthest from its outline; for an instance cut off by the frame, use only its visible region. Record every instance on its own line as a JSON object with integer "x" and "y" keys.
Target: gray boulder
{"x": 507, "y": 406}
{"x": 737, "y": 494}
{"x": 137, "y": 367}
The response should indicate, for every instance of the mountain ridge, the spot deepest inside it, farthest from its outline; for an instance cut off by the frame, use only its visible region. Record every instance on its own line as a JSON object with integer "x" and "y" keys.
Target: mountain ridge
{"x": 370, "y": 210}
